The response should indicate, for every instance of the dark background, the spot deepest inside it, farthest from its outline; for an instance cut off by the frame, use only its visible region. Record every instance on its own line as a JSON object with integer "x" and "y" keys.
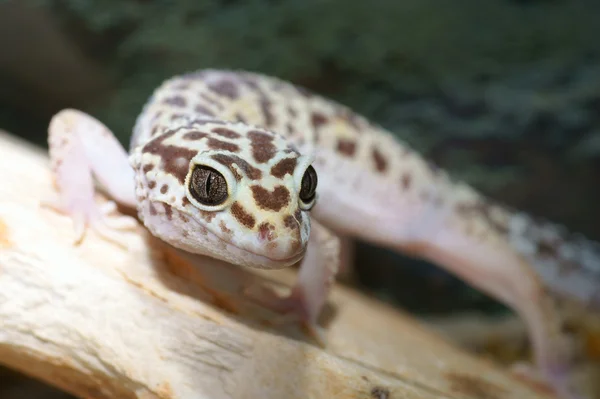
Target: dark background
{"x": 504, "y": 94}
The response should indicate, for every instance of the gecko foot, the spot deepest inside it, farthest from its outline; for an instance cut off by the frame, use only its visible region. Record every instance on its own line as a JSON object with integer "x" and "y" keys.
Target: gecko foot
{"x": 99, "y": 218}
{"x": 292, "y": 309}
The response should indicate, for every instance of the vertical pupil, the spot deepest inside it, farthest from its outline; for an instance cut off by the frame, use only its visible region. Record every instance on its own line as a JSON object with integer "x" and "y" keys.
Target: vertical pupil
{"x": 209, "y": 180}
{"x": 208, "y": 186}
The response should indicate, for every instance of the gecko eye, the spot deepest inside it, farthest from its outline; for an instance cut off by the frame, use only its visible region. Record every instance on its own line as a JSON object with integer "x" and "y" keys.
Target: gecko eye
{"x": 308, "y": 187}
{"x": 208, "y": 186}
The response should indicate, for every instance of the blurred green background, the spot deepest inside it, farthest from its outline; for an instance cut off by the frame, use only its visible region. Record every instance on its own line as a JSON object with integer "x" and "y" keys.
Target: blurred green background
{"x": 504, "y": 94}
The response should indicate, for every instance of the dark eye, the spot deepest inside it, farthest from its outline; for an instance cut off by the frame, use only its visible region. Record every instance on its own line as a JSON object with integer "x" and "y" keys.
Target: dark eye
{"x": 208, "y": 186}
{"x": 308, "y": 187}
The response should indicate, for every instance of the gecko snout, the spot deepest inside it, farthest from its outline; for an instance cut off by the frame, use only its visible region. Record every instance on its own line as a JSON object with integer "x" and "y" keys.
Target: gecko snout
{"x": 284, "y": 239}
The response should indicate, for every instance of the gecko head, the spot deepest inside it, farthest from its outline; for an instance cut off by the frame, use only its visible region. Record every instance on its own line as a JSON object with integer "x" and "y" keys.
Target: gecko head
{"x": 227, "y": 190}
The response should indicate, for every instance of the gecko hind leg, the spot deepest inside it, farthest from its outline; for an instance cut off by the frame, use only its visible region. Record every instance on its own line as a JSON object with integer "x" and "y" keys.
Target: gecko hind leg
{"x": 81, "y": 147}
{"x": 315, "y": 277}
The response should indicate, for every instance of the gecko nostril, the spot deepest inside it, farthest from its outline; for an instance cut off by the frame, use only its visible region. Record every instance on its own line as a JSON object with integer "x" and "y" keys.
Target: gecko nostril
{"x": 266, "y": 232}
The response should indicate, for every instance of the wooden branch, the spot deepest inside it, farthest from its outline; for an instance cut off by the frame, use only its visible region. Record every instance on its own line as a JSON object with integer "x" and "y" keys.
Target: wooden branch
{"x": 137, "y": 320}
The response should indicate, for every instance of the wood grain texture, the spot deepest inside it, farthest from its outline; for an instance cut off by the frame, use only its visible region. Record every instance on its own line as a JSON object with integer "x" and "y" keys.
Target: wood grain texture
{"x": 138, "y": 320}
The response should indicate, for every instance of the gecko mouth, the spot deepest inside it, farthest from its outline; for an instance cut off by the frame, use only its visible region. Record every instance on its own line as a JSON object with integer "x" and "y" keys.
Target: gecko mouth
{"x": 259, "y": 261}
{"x": 275, "y": 263}
{"x": 236, "y": 254}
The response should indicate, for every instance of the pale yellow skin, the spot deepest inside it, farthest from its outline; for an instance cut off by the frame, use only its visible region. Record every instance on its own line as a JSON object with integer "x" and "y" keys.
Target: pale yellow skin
{"x": 262, "y": 134}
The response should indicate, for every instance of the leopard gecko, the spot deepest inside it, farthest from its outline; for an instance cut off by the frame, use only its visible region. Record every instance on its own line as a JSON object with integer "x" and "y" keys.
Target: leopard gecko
{"x": 259, "y": 172}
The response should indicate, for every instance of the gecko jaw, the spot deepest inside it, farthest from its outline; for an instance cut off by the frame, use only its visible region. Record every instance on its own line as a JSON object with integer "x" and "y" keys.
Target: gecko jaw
{"x": 248, "y": 258}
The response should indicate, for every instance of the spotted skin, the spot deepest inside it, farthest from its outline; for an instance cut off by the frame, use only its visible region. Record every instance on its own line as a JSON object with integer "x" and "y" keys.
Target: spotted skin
{"x": 257, "y": 197}
{"x": 262, "y": 133}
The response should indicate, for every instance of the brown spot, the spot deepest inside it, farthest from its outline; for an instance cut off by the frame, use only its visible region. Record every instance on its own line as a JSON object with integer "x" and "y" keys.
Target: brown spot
{"x": 176, "y": 101}
{"x": 242, "y": 216}
{"x": 185, "y": 201}
{"x": 283, "y": 167}
{"x": 224, "y": 228}
{"x": 265, "y": 103}
{"x": 266, "y": 231}
{"x": 201, "y": 109}
{"x": 483, "y": 209}
{"x": 290, "y": 222}
{"x": 346, "y": 147}
{"x": 174, "y": 159}
{"x": 380, "y": 162}
{"x": 272, "y": 245}
{"x": 185, "y": 234}
{"x": 148, "y": 167}
{"x": 380, "y": 393}
{"x": 207, "y": 121}
{"x": 164, "y": 188}
{"x": 154, "y": 130}
{"x": 192, "y": 136}
{"x": 474, "y": 386}
{"x": 208, "y": 216}
{"x": 250, "y": 171}
{"x": 549, "y": 249}
{"x": 406, "y": 181}
{"x": 262, "y": 146}
{"x": 228, "y": 133}
{"x": 151, "y": 184}
{"x": 265, "y": 106}
{"x": 168, "y": 211}
{"x": 183, "y": 218}
{"x": 176, "y": 116}
{"x": 222, "y": 145}
{"x": 152, "y": 209}
{"x": 317, "y": 119}
{"x": 225, "y": 88}
{"x": 274, "y": 200}
{"x": 182, "y": 86}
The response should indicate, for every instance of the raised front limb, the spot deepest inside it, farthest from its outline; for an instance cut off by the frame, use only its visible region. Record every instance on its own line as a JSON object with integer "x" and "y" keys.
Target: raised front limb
{"x": 82, "y": 147}
{"x": 315, "y": 277}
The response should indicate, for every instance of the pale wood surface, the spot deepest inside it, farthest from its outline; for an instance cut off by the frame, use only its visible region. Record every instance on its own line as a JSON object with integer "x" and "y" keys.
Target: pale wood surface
{"x": 137, "y": 320}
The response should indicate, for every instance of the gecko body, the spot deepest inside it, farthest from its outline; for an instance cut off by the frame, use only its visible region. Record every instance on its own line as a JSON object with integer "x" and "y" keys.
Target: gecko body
{"x": 258, "y": 172}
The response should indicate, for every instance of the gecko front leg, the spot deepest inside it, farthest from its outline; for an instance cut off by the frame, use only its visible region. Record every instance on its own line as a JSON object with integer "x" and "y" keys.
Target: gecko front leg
{"x": 82, "y": 147}
{"x": 307, "y": 297}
